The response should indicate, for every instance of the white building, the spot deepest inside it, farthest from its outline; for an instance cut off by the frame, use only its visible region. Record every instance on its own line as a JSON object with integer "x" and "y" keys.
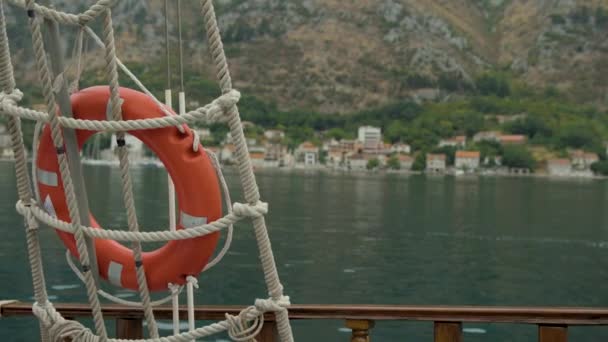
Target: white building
{"x": 435, "y": 162}
{"x": 459, "y": 141}
{"x": 406, "y": 162}
{"x": 401, "y": 148}
{"x": 6, "y": 152}
{"x": 308, "y": 154}
{"x": 274, "y": 135}
{"x": 370, "y": 137}
{"x": 487, "y": 136}
{"x": 204, "y": 133}
{"x": 467, "y": 160}
{"x": 559, "y": 167}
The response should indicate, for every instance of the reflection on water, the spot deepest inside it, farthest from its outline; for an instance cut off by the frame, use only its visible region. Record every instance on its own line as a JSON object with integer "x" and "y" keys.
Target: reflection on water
{"x": 368, "y": 239}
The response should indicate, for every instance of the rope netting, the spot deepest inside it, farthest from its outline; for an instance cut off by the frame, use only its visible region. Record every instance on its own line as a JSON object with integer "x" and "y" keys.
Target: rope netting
{"x": 54, "y": 327}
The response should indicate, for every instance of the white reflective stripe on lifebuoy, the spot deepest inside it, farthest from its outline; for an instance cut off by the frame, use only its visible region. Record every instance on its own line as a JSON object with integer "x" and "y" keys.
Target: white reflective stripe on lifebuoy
{"x": 115, "y": 273}
{"x": 189, "y": 221}
{"x": 47, "y": 177}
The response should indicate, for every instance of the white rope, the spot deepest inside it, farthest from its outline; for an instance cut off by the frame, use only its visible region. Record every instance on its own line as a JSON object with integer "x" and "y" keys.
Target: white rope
{"x": 212, "y": 112}
{"x": 243, "y": 327}
{"x": 240, "y": 211}
{"x": 191, "y": 283}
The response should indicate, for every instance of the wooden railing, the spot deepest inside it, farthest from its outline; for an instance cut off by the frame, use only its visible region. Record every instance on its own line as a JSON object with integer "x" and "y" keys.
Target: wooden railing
{"x": 552, "y": 322}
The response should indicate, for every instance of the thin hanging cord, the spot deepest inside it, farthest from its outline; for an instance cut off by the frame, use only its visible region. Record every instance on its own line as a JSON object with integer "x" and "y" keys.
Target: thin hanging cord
{"x": 181, "y": 49}
{"x": 168, "y": 54}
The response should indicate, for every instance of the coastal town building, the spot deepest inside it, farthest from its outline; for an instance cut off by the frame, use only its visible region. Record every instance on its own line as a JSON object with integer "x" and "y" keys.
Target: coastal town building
{"x": 274, "y": 155}
{"x": 487, "y": 136}
{"x": 6, "y": 152}
{"x": 435, "y": 162}
{"x": 204, "y": 134}
{"x": 514, "y": 139}
{"x": 359, "y": 161}
{"x": 459, "y": 141}
{"x": 503, "y": 119}
{"x": 307, "y": 154}
{"x": 582, "y": 160}
{"x": 257, "y": 159}
{"x": 370, "y": 137}
{"x": 227, "y": 154}
{"x": 274, "y": 135}
{"x": 401, "y": 148}
{"x": 405, "y": 162}
{"x": 559, "y": 167}
{"x": 467, "y": 160}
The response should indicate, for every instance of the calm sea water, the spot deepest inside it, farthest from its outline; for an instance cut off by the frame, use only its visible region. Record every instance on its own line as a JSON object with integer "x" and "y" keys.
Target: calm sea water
{"x": 369, "y": 239}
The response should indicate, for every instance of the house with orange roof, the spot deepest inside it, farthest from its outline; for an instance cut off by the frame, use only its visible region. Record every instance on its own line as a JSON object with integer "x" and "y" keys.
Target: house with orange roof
{"x": 513, "y": 139}
{"x": 582, "y": 160}
{"x": 406, "y": 162}
{"x": 307, "y": 154}
{"x": 559, "y": 167}
{"x": 435, "y": 162}
{"x": 467, "y": 160}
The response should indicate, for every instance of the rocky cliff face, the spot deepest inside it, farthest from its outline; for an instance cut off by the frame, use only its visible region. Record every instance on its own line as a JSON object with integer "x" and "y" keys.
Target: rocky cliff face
{"x": 341, "y": 55}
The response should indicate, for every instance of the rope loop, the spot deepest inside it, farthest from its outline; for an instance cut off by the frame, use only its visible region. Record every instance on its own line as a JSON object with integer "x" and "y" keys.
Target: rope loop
{"x": 226, "y": 102}
{"x": 246, "y": 325}
{"x": 250, "y": 210}
{"x": 11, "y": 98}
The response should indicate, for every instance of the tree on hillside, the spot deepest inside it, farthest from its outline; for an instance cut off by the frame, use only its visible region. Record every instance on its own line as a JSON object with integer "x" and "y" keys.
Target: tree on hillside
{"x": 518, "y": 157}
{"x": 493, "y": 84}
{"x": 579, "y": 135}
{"x": 419, "y": 162}
{"x": 533, "y": 127}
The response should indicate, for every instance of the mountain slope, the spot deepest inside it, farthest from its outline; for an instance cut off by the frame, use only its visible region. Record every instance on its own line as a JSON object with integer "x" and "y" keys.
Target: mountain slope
{"x": 343, "y": 55}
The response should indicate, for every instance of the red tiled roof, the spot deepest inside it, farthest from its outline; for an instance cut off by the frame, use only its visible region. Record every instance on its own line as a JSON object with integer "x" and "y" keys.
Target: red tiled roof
{"x": 435, "y": 156}
{"x": 559, "y": 161}
{"x": 467, "y": 154}
{"x": 513, "y": 138}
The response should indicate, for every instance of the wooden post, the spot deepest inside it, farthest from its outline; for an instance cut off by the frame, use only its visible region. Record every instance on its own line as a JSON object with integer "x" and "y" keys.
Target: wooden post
{"x": 552, "y": 333}
{"x": 448, "y": 332}
{"x": 269, "y": 332}
{"x": 360, "y": 329}
{"x": 129, "y": 328}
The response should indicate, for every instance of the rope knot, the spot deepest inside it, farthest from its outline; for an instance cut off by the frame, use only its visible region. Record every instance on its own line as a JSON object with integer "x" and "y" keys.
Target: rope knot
{"x": 272, "y": 305}
{"x": 59, "y": 328}
{"x": 228, "y": 100}
{"x": 250, "y": 210}
{"x": 11, "y": 98}
{"x": 246, "y": 325}
{"x": 192, "y": 280}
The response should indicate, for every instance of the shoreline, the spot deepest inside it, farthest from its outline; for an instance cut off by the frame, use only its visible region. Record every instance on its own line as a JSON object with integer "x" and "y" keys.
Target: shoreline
{"x": 379, "y": 173}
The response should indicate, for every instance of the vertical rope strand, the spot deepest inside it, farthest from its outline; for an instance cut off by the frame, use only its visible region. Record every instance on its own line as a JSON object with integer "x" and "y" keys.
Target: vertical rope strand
{"x": 7, "y": 81}
{"x": 57, "y": 137}
{"x": 123, "y": 154}
{"x": 250, "y": 188}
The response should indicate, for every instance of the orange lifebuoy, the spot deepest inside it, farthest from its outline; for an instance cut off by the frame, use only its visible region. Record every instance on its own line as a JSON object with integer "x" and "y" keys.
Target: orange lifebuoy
{"x": 196, "y": 186}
